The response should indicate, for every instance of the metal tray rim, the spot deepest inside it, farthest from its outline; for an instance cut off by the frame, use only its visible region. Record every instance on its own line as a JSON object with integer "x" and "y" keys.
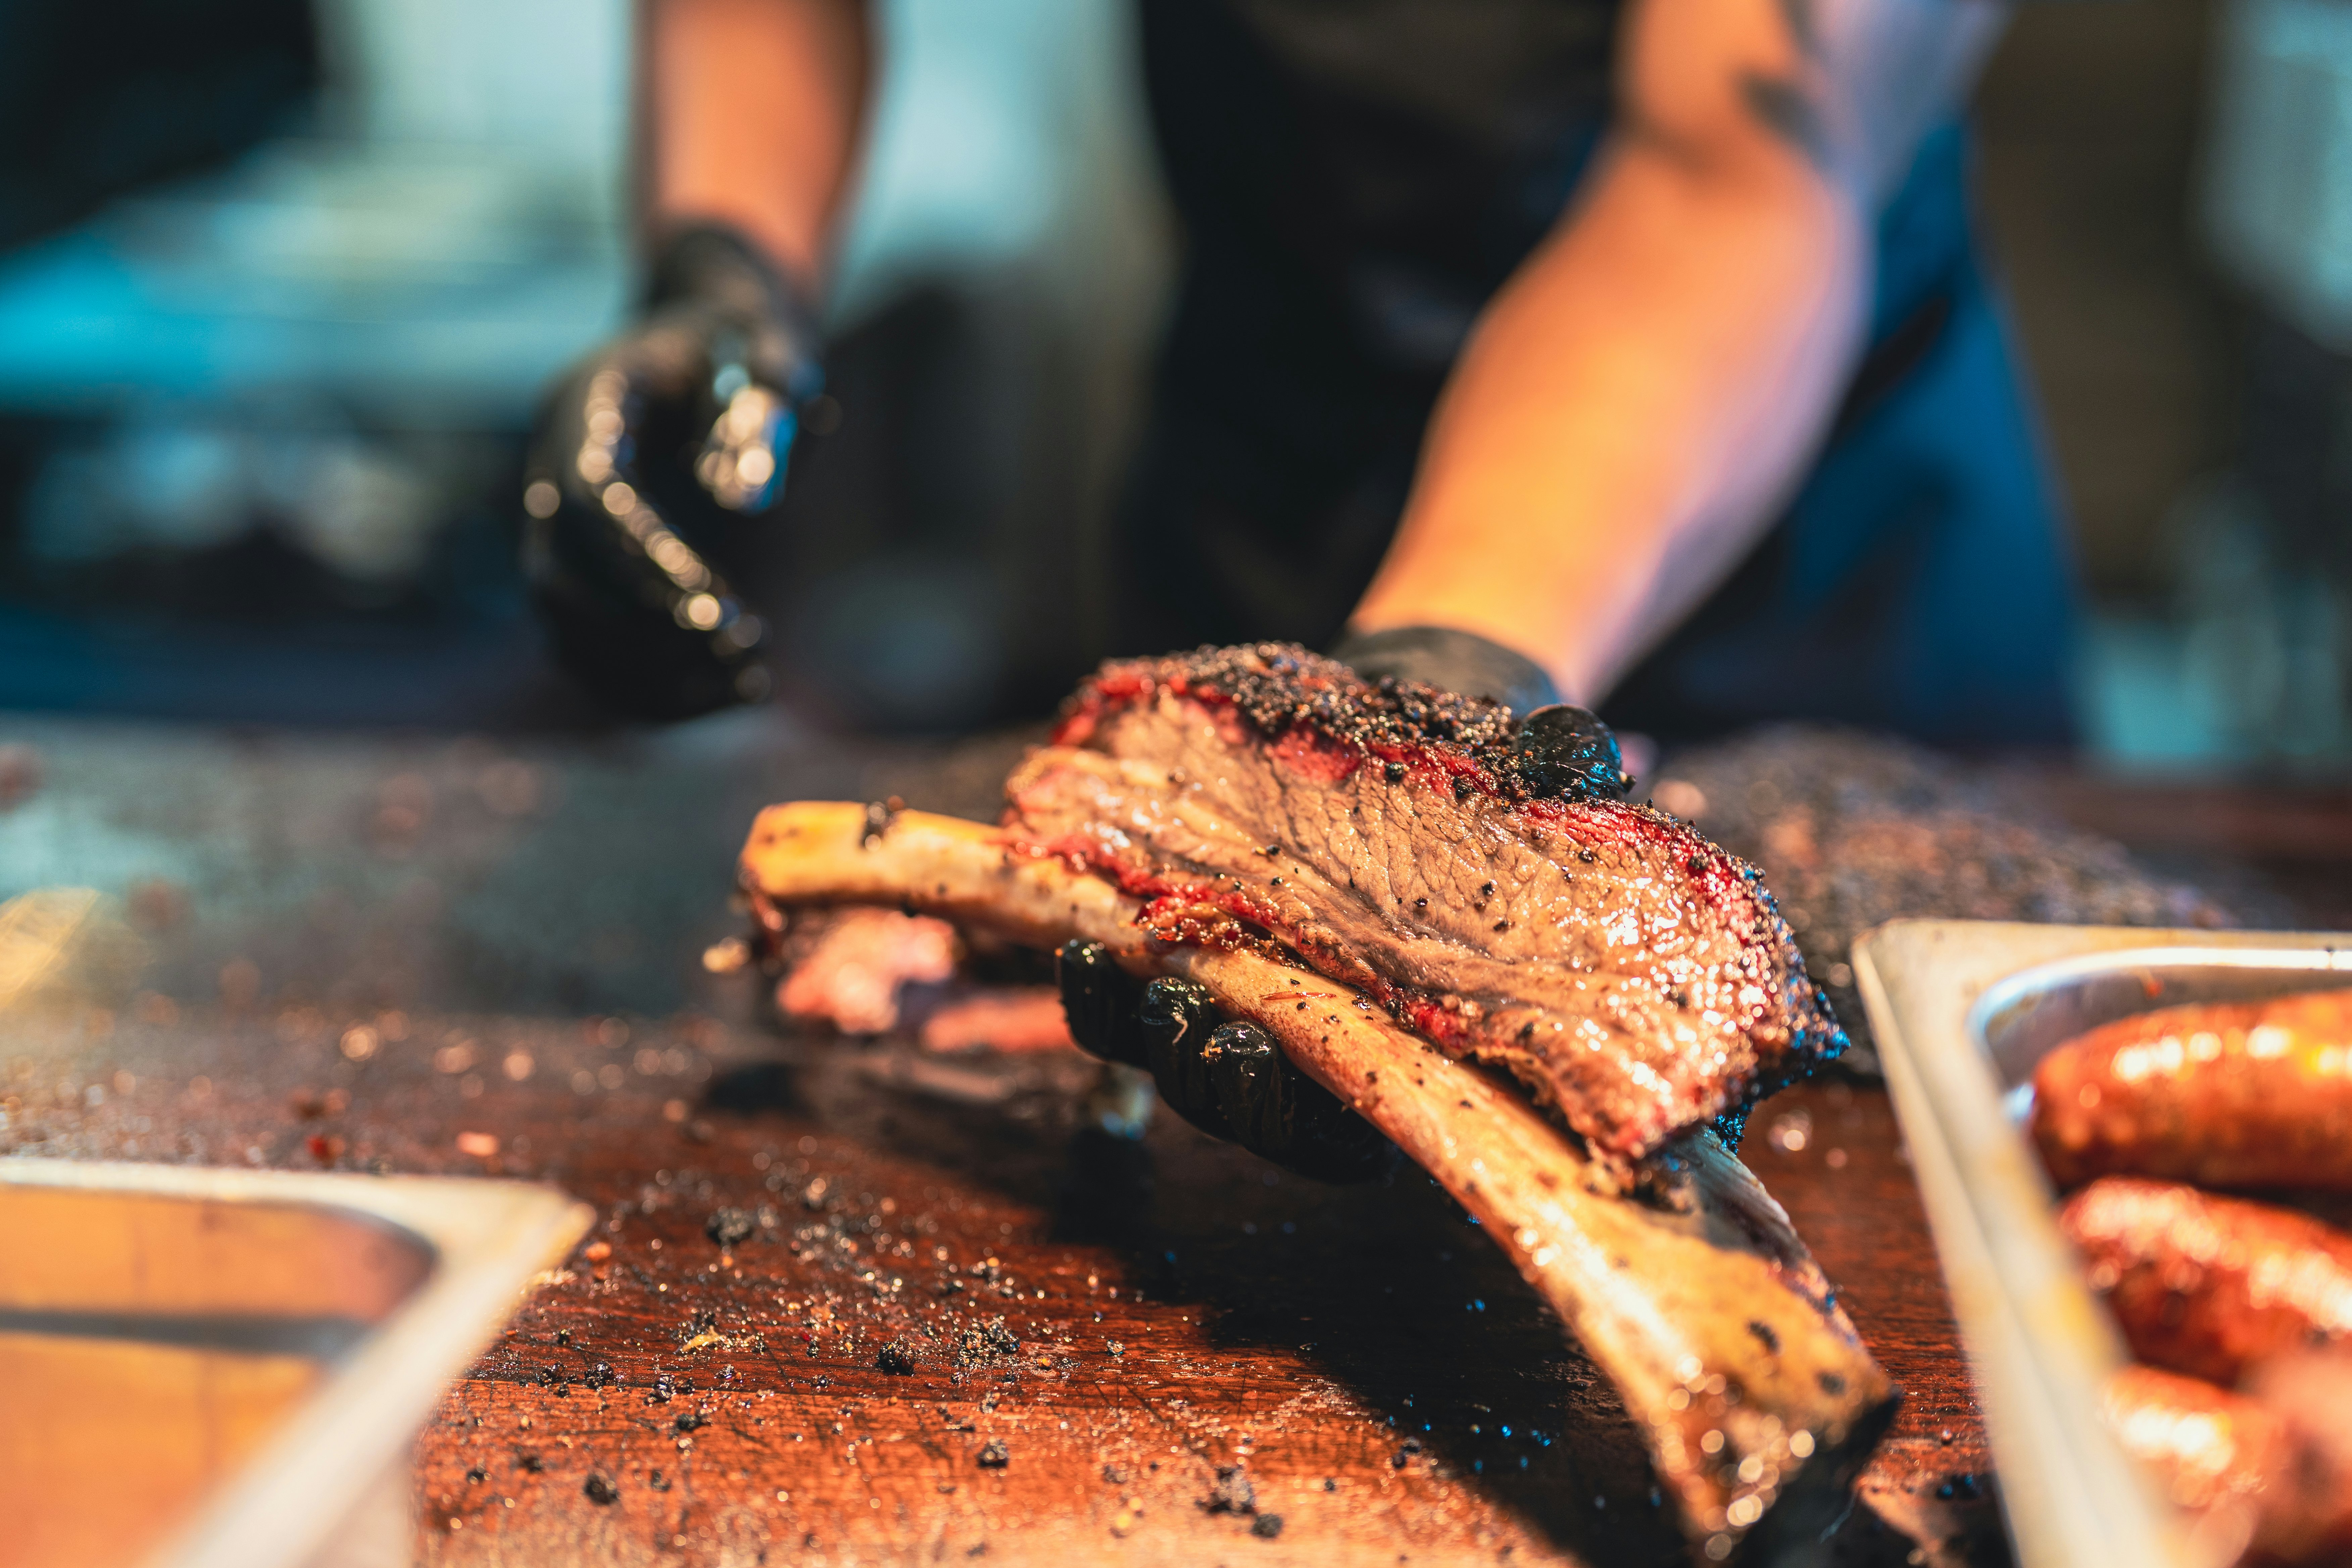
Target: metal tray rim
{"x": 2039, "y": 1346}
{"x": 2002, "y": 994}
{"x": 489, "y": 1240}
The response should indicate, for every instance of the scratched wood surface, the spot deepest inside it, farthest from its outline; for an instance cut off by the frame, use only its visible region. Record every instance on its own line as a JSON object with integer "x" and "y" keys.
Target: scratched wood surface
{"x": 954, "y": 1330}
{"x": 1123, "y": 1332}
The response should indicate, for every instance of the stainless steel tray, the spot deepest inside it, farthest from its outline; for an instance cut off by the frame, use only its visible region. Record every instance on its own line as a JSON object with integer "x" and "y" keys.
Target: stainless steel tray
{"x": 225, "y": 1369}
{"x": 1963, "y": 1010}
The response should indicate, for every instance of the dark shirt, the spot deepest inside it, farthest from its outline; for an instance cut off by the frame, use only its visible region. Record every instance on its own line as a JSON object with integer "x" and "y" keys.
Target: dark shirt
{"x": 1356, "y": 178}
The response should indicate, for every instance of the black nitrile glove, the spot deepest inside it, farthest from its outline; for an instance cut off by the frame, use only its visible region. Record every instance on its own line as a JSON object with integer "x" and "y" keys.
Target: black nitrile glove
{"x": 651, "y": 462}
{"x": 1450, "y": 660}
{"x": 1226, "y": 1079}
{"x": 1569, "y": 751}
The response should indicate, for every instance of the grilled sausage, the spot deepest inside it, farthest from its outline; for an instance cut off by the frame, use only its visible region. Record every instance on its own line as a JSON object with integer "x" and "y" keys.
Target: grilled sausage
{"x": 2226, "y": 1095}
{"x": 2215, "y": 1452}
{"x": 2306, "y": 1511}
{"x": 2269, "y": 1467}
{"x": 2209, "y": 1286}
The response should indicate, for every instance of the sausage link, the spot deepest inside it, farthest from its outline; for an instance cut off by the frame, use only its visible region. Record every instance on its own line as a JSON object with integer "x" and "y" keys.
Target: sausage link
{"x": 2306, "y": 1509}
{"x": 2270, "y": 1469}
{"x": 2214, "y": 1452}
{"x": 2205, "y": 1285}
{"x": 2225, "y": 1095}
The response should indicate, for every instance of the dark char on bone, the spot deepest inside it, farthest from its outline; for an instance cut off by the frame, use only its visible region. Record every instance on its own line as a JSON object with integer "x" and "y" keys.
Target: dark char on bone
{"x": 1416, "y": 845}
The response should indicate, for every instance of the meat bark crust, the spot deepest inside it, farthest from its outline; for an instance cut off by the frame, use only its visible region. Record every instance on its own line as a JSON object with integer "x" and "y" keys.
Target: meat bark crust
{"x": 1634, "y": 975}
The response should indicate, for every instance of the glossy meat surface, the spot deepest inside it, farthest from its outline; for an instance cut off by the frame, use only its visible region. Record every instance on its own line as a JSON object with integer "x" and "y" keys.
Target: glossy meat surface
{"x": 2209, "y": 1286}
{"x": 2225, "y": 1095}
{"x": 2209, "y": 1447}
{"x": 2306, "y": 1515}
{"x": 2266, "y": 1472}
{"x": 1632, "y": 974}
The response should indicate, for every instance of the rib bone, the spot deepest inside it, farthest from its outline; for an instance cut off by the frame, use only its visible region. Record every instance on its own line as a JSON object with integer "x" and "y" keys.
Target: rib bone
{"x": 1709, "y": 1316}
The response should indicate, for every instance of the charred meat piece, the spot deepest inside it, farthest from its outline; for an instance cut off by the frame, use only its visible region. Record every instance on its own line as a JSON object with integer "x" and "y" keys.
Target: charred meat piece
{"x": 1476, "y": 876}
{"x": 2222, "y": 1094}
{"x": 851, "y": 971}
{"x": 1696, "y": 1299}
{"x": 1022, "y": 1019}
{"x": 1852, "y": 830}
{"x": 2208, "y": 1286}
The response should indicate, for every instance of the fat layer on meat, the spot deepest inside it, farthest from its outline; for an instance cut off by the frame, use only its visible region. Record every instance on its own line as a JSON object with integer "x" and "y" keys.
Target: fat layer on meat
{"x": 1632, "y": 972}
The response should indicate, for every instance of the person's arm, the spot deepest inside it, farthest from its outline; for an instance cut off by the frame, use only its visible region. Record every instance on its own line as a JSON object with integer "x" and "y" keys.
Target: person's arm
{"x": 639, "y": 537}
{"x": 752, "y": 117}
{"x": 1639, "y": 399}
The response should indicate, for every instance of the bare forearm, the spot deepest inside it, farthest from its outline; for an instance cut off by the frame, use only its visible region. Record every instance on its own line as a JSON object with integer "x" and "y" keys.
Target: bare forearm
{"x": 752, "y": 115}
{"x": 1639, "y": 400}
{"x": 1628, "y": 412}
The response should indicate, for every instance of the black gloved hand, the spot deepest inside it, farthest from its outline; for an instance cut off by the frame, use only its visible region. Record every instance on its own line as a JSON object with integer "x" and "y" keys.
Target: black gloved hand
{"x": 650, "y": 463}
{"x": 1226, "y": 1079}
{"x": 1450, "y": 660}
{"x": 1569, "y": 752}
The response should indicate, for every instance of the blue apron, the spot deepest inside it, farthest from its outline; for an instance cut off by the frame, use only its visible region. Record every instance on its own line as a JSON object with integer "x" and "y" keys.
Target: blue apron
{"x": 1355, "y": 180}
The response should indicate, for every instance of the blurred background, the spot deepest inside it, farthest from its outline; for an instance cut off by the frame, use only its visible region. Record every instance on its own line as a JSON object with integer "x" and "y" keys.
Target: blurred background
{"x": 280, "y": 281}
{"x": 279, "y": 292}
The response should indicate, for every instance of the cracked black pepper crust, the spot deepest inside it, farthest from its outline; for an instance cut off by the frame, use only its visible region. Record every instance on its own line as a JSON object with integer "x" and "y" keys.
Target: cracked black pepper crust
{"x": 1278, "y": 687}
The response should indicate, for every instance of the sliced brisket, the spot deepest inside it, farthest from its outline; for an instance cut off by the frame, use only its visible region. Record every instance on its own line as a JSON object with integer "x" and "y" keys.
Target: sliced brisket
{"x": 1501, "y": 902}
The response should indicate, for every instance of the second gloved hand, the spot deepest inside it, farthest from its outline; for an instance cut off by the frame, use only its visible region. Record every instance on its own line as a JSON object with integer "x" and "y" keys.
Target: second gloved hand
{"x": 652, "y": 464}
{"x": 1227, "y": 1077}
{"x": 1569, "y": 751}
